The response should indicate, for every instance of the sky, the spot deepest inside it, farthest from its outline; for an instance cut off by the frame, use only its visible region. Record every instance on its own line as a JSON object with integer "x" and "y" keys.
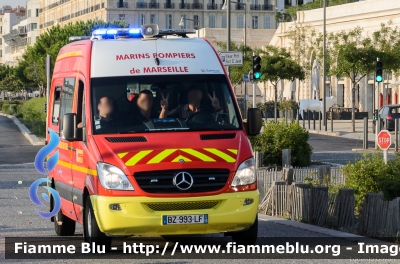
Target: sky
{"x": 12, "y": 3}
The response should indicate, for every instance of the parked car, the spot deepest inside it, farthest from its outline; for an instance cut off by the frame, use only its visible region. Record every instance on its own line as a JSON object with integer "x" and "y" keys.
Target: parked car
{"x": 388, "y": 113}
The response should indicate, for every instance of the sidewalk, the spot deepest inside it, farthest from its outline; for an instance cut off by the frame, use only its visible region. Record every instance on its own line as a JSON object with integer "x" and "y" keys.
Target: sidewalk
{"x": 35, "y": 141}
{"x": 341, "y": 128}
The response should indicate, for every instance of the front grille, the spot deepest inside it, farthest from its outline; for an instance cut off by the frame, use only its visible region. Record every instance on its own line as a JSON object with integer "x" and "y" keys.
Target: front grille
{"x": 217, "y": 136}
{"x": 126, "y": 139}
{"x": 182, "y": 206}
{"x": 204, "y": 180}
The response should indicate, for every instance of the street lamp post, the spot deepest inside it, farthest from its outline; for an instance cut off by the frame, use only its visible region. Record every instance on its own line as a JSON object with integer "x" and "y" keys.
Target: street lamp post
{"x": 324, "y": 81}
{"x": 196, "y": 24}
{"x": 225, "y": 7}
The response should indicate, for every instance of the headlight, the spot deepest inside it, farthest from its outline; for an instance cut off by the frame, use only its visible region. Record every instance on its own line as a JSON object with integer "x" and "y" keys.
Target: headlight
{"x": 112, "y": 178}
{"x": 245, "y": 174}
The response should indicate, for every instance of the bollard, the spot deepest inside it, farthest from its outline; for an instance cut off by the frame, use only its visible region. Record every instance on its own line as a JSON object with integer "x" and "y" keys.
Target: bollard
{"x": 308, "y": 117}
{"x": 304, "y": 119}
{"x": 313, "y": 116}
{"x": 331, "y": 120}
{"x": 365, "y": 140}
{"x": 320, "y": 120}
{"x": 396, "y": 134}
{"x": 286, "y": 158}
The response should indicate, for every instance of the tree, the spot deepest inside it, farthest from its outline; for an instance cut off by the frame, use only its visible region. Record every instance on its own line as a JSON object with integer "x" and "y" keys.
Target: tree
{"x": 356, "y": 58}
{"x": 50, "y": 42}
{"x": 291, "y": 11}
{"x": 276, "y": 65}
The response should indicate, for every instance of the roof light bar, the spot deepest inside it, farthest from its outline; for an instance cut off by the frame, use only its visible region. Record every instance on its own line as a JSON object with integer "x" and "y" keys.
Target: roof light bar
{"x": 146, "y": 31}
{"x": 112, "y": 33}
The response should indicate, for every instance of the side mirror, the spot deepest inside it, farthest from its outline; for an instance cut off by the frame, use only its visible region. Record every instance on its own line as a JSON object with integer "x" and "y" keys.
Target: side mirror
{"x": 69, "y": 127}
{"x": 254, "y": 121}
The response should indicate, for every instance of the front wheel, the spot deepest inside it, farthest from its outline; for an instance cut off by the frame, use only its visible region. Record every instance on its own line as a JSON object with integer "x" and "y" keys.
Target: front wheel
{"x": 91, "y": 230}
{"x": 248, "y": 236}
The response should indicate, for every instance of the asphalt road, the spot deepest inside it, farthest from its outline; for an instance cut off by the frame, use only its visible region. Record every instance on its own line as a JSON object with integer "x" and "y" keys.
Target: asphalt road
{"x": 336, "y": 149}
{"x": 14, "y": 147}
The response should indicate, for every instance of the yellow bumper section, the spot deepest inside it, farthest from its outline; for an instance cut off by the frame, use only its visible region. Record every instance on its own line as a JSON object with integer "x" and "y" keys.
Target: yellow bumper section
{"x": 143, "y": 215}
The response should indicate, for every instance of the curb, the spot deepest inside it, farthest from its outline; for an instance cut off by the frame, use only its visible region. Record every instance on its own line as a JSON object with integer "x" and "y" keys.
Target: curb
{"x": 326, "y": 133}
{"x": 373, "y": 150}
{"x": 313, "y": 228}
{"x": 34, "y": 140}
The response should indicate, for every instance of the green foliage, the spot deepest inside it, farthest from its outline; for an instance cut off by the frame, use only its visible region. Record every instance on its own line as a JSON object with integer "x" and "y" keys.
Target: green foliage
{"x": 33, "y": 109}
{"x": 370, "y": 174}
{"x": 288, "y": 105}
{"x": 278, "y": 136}
{"x": 291, "y": 11}
{"x": 277, "y": 64}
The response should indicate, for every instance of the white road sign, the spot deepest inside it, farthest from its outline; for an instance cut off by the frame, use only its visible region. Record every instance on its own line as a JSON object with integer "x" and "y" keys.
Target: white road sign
{"x": 231, "y": 58}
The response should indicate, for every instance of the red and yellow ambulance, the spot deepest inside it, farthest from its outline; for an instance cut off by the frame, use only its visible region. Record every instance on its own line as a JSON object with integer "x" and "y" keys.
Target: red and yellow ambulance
{"x": 187, "y": 171}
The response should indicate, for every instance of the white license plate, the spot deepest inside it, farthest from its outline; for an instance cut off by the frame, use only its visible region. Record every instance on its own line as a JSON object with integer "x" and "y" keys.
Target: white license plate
{"x": 185, "y": 219}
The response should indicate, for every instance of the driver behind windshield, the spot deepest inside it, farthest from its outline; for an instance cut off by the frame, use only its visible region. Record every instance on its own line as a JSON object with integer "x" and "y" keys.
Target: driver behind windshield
{"x": 194, "y": 105}
{"x": 144, "y": 105}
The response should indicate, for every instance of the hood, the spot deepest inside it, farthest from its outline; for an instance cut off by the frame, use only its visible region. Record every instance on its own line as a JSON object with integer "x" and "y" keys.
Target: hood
{"x": 174, "y": 150}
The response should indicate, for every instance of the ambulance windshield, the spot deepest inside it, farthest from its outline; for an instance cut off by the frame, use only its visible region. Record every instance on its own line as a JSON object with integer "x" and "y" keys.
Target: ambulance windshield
{"x": 162, "y": 103}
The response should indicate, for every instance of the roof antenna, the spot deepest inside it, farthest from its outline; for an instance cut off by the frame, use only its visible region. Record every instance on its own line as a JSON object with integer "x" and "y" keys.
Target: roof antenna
{"x": 156, "y": 59}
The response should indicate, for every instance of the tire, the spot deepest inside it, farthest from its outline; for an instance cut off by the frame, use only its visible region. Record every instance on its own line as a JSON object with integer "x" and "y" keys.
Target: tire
{"x": 91, "y": 230}
{"x": 248, "y": 236}
{"x": 67, "y": 225}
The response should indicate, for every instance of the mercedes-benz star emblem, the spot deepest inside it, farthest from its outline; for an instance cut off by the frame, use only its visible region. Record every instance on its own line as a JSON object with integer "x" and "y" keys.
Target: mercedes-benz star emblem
{"x": 183, "y": 181}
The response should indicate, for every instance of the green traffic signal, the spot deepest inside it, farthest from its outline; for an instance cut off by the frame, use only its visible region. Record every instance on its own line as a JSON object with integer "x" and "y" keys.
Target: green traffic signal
{"x": 257, "y": 75}
{"x": 379, "y": 71}
{"x": 379, "y": 78}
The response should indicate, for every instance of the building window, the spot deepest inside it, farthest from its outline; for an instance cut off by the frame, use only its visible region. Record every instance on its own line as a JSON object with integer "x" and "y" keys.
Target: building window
{"x": 142, "y": 19}
{"x": 211, "y": 21}
{"x": 267, "y": 22}
{"x": 239, "y": 22}
{"x": 255, "y": 2}
{"x": 196, "y": 21}
{"x": 121, "y": 17}
{"x": 255, "y": 22}
{"x": 223, "y": 21}
{"x": 168, "y": 21}
{"x": 153, "y": 19}
{"x": 37, "y": 12}
{"x": 29, "y": 13}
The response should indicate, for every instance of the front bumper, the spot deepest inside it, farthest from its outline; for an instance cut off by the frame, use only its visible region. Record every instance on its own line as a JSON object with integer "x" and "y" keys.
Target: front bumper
{"x": 136, "y": 218}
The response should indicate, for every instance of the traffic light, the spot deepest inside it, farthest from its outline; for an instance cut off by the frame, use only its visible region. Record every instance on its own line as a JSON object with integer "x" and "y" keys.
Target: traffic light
{"x": 256, "y": 67}
{"x": 379, "y": 71}
{"x": 45, "y": 107}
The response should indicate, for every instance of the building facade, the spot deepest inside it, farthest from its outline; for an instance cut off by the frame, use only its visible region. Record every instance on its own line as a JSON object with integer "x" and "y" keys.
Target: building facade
{"x": 369, "y": 15}
{"x": 260, "y": 14}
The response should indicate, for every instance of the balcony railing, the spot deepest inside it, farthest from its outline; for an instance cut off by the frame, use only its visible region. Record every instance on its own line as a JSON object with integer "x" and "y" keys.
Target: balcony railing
{"x": 169, "y": 5}
{"x": 239, "y": 7}
{"x": 267, "y": 7}
{"x": 212, "y": 6}
{"x": 184, "y": 6}
{"x": 255, "y": 7}
{"x": 154, "y": 5}
{"x": 197, "y": 6}
{"x": 141, "y": 5}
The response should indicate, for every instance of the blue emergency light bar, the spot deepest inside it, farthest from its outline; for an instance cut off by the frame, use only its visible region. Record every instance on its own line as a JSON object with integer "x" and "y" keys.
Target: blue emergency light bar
{"x": 146, "y": 31}
{"x": 111, "y": 33}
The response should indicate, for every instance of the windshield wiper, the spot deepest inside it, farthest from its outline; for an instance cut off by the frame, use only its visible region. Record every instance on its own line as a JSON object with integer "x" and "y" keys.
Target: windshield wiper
{"x": 167, "y": 129}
